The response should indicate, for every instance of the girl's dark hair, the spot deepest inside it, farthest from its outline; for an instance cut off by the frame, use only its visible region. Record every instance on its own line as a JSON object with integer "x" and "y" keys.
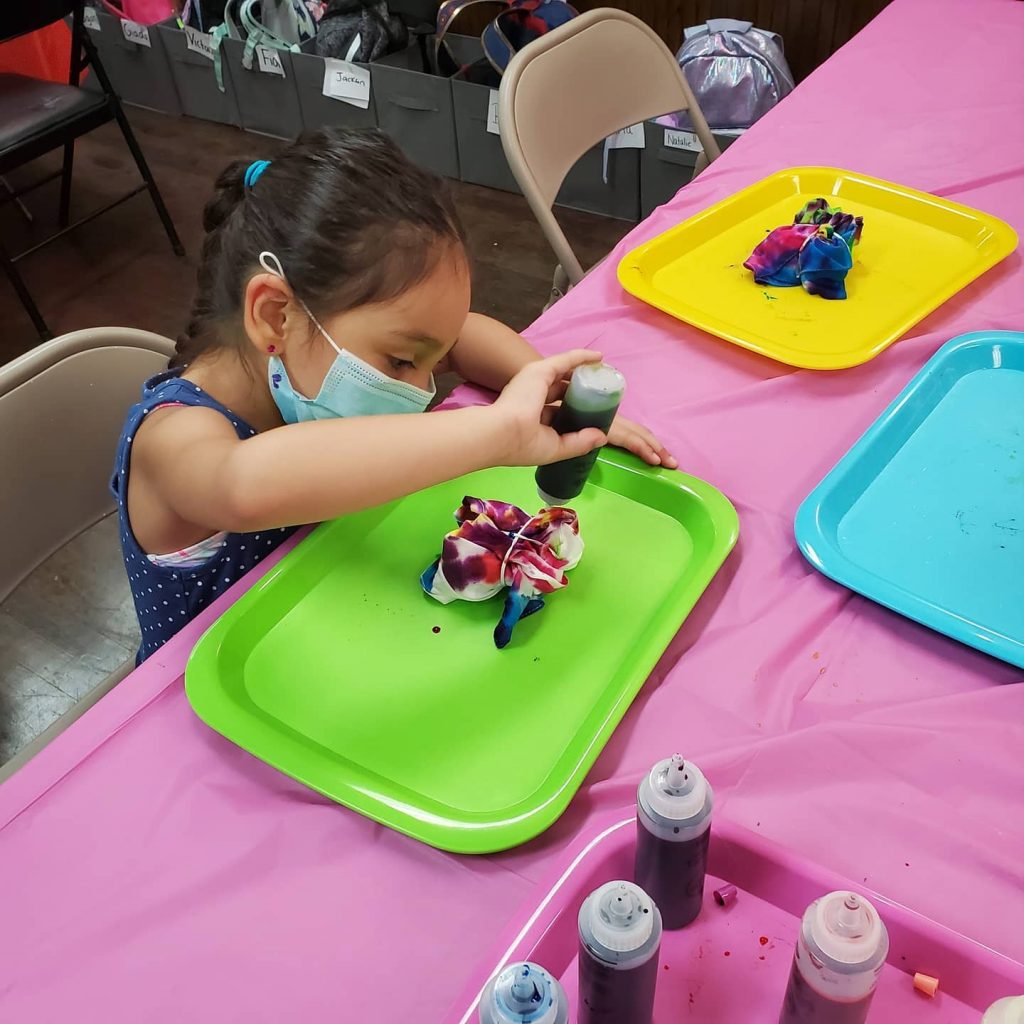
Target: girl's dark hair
{"x": 350, "y": 218}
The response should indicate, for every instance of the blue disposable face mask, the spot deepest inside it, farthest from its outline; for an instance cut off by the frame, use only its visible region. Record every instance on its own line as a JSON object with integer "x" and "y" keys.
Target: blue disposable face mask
{"x": 352, "y": 387}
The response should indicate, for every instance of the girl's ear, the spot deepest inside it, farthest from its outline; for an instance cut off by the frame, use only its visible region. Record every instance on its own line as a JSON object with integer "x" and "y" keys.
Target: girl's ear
{"x": 269, "y": 313}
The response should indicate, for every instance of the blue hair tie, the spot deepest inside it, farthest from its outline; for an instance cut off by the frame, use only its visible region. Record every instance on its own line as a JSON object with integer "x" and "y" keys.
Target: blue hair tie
{"x": 254, "y": 170}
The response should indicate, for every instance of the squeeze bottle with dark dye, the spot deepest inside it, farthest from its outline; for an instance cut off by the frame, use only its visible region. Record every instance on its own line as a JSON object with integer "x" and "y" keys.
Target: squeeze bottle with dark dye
{"x": 1005, "y": 1011}
{"x": 524, "y": 993}
{"x": 673, "y": 827}
{"x": 839, "y": 955}
{"x": 591, "y": 400}
{"x": 620, "y": 938}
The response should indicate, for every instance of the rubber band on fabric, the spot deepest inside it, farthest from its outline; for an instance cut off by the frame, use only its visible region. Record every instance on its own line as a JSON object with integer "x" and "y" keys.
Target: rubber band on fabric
{"x": 254, "y": 170}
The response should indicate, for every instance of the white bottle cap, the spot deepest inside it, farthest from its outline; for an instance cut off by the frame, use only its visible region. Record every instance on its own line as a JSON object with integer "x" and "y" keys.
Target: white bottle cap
{"x": 675, "y": 789}
{"x": 1005, "y": 1011}
{"x": 524, "y": 993}
{"x": 620, "y": 916}
{"x": 846, "y": 928}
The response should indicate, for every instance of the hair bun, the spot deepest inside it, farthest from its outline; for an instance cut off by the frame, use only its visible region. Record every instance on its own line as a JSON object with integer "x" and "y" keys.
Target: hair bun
{"x": 229, "y": 191}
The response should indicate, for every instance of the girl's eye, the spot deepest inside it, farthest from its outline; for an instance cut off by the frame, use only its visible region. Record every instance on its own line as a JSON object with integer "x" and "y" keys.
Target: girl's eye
{"x": 402, "y": 364}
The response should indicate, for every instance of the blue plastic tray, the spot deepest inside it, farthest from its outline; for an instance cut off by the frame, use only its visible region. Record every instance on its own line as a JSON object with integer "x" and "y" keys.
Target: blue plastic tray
{"x": 925, "y": 514}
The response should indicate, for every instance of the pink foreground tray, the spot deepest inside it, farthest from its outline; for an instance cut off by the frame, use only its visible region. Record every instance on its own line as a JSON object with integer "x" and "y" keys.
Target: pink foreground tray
{"x": 732, "y": 963}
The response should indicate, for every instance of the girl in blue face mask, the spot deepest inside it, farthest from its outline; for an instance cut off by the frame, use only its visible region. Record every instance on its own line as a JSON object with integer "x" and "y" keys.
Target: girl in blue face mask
{"x": 333, "y": 285}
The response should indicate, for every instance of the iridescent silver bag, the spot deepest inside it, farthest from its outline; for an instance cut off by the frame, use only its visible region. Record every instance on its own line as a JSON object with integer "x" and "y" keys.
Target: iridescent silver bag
{"x": 737, "y": 72}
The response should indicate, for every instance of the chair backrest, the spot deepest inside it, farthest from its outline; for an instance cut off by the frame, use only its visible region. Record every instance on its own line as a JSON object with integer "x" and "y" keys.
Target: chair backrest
{"x": 571, "y": 89}
{"x": 62, "y": 406}
{"x": 20, "y": 16}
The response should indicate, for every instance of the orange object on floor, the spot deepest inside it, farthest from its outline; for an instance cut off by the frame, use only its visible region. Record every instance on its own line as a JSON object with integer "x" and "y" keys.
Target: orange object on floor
{"x": 44, "y": 54}
{"x": 927, "y": 984}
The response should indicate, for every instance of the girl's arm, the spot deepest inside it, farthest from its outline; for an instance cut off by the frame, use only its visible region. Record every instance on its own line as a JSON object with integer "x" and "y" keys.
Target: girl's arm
{"x": 309, "y": 472}
{"x": 490, "y": 354}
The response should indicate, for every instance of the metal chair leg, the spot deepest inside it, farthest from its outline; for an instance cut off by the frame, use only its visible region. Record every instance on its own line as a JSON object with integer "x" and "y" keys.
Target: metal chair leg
{"x": 147, "y": 177}
{"x": 16, "y": 199}
{"x": 64, "y": 217}
{"x": 26, "y": 299}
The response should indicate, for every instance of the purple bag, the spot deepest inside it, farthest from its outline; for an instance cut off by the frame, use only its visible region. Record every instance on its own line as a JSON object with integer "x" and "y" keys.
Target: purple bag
{"x": 737, "y": 72}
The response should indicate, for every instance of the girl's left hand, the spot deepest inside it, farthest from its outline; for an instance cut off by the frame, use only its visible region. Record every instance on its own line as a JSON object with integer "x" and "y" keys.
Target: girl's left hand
{"x": 640, "y": 441}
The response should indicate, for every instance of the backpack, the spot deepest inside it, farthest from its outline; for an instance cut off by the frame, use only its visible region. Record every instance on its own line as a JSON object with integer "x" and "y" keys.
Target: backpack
{"x": 737, "y": 72}
{"x": 279, "y": 24}
{"x": 359, "y": 30}
{"x": 145, "y": 12}
{"x": 517, "y": 24}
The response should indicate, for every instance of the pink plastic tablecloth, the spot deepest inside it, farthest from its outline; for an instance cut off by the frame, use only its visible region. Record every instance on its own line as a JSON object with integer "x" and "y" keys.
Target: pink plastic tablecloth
{"x": 150, "y": 871}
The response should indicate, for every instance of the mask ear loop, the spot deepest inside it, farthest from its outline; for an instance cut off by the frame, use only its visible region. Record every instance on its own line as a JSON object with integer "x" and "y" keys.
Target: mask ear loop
{"x": 272, "y": 265}
{"x": 515, "y": 540}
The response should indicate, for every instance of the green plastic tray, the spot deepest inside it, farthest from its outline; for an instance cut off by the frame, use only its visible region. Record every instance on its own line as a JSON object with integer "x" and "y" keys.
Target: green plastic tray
{"x": 330, "y": 670}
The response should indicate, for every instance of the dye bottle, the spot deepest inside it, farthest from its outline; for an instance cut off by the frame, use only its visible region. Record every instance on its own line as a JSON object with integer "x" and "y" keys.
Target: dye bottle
{"x": 839, "y": 955}
{"x": 620, "y": 938}
{"x": 1005, "y": 1011}
{"x": 591, "y": 400}
{"x": 673, "y": 828}
{"x": 524, "y": 993}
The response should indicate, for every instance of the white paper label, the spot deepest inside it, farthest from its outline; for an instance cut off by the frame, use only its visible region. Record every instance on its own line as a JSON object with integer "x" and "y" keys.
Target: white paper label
{"x": 270, "y": 61}
{"x": 346, "y": 82}
{"x": 629, "y": 138}
{"x": 492, "y": 113}
{"x": 199, "y": 42}
{"x": 675, "y": 139}
{"x": 90, "y": 19}
{"x": 135, "y": 33}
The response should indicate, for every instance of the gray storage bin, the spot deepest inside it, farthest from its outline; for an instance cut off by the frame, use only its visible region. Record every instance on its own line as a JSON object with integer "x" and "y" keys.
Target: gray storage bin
{"x": 196, "y": 82}
{"x": 481, "y": 158}
{"x": 584, "y": 187}
{"x": 318, "y": 110}
{"x": 268, "y": 103}
{"x": 140, "y": 75}
{"x": 415, "y": 108}
{"x": 664, "y": 170}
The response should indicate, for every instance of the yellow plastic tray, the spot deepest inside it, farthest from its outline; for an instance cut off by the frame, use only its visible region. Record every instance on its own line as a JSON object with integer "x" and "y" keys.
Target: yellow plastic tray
{"x": 917, "y": 251}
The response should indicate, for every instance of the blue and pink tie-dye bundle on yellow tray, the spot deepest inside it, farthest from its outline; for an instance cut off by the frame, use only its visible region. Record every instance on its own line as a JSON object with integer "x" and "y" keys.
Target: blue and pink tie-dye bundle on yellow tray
{"x": 815, "y": 251}
{"x": 497, "y": 545}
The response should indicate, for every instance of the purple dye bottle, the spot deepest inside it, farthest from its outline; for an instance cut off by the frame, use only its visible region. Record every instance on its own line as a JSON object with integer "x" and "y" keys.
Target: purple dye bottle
{"x": 620, "y": 939}
{"x": 840, "y": 953}
{"x": 673, "y": 828}
{"x": 524, "y": 993}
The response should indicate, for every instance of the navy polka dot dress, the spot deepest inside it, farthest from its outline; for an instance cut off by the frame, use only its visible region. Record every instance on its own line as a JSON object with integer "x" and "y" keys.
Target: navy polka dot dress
{"x": 168, "y": 597}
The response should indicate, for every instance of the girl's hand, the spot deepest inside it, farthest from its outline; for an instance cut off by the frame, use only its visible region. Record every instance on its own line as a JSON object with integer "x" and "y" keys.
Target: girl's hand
{"x": 640, "y": 441}
{"x": 525, "y": 413}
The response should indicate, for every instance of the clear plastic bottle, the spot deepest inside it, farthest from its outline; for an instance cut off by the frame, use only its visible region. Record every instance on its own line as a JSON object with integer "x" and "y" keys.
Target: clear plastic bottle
{"x": 673, "y": 828}
{"x": 620, "y": 939}
{"x": 840, "y": 953}
{"x": 591, "y": 400}
{"x": 524, "y": 993}
{"x": 1005, "y": 1011}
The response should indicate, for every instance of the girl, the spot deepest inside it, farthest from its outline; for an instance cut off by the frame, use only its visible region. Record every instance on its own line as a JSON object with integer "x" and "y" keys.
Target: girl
{"x": 333, "y": 284}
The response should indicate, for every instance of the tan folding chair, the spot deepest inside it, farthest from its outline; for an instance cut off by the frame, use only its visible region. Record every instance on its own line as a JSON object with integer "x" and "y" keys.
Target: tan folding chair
{"x": 62, "y": 406}
{"x": 572, "y": 88}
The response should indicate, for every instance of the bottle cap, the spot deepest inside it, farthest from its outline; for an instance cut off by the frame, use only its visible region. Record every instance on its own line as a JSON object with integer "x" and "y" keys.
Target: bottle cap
{"x": 844, "y": 931}
{"x": 524, "y": 993}
{"x": 1009, "y": 1010}
{"x": 620, "y": 916}
{"x": 676, "y": 791}
{"x": 595, "y": 387}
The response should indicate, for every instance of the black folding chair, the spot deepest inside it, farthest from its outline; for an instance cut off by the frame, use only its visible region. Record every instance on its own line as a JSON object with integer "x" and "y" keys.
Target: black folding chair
{"x": 37, "y": 117}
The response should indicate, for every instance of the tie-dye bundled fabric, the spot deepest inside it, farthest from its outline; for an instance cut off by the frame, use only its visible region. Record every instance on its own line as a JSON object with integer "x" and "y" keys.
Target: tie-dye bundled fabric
{"x": 497, "y": 545}
{"x": 815, "y": 251}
